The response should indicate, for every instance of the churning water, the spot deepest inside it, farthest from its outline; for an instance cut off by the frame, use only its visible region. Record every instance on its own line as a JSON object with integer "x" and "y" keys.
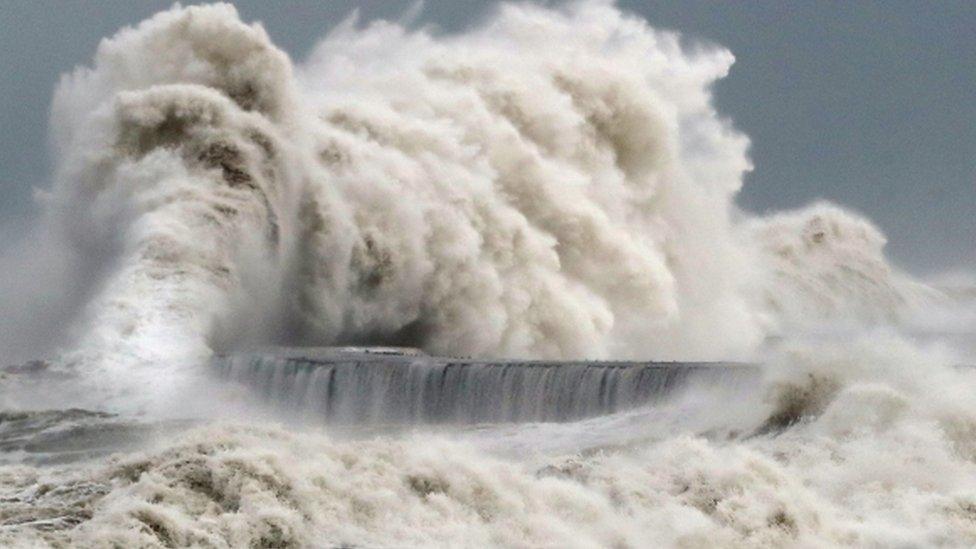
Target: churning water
{"x": 550, "y": 193}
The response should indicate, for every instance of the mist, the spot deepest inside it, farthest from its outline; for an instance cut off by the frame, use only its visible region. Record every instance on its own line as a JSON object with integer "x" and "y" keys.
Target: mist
{"x": 553, "y": 183}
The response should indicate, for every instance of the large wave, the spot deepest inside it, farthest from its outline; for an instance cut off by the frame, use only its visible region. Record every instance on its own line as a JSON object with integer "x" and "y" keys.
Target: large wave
{"x": 551, "y": 183}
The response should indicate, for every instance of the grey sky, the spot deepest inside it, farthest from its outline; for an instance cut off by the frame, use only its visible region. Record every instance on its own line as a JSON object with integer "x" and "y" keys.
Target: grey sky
{"x": 869, "y": 104}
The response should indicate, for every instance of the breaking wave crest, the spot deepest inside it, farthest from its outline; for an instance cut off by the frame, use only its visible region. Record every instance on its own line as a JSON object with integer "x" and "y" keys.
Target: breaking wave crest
{"x": 552, "y": 183}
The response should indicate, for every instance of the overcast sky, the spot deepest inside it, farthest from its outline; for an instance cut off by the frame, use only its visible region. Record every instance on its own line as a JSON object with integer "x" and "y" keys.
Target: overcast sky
{"x": 869, "y": 104}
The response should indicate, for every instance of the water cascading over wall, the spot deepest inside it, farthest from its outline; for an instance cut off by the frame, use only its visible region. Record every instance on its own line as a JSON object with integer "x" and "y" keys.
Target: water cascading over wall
{"x": 364, "y": 387}
{"x": 552, "y": 184}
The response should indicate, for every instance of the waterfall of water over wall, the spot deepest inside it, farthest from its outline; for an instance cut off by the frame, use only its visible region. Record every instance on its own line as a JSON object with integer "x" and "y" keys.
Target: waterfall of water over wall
{"x": 367, "y": 386}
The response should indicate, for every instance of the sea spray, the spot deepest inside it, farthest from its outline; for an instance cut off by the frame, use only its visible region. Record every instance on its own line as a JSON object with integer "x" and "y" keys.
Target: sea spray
{"x": 552, "y": 183}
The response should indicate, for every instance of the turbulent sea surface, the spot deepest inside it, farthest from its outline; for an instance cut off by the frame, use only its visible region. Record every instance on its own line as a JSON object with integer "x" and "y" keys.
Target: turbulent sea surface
{"x": 553, "y": 184}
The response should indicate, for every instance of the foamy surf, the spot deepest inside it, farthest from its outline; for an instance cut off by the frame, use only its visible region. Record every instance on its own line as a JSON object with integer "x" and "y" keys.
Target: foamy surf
{"x": 553, "y": 183}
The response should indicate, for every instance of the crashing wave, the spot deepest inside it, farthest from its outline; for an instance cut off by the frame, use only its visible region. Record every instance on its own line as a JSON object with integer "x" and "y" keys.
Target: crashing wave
{"x": 552, "y": 183}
